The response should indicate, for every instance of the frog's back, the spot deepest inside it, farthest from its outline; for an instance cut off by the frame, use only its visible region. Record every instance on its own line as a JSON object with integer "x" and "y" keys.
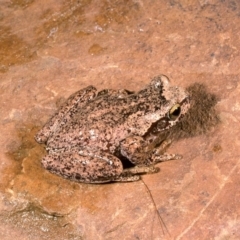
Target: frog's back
{"x": 106, "y": 120}
{"x": 113, "y": 111}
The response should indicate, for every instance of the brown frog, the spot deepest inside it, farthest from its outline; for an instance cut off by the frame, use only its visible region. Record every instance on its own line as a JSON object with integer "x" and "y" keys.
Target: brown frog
{"x": 93, "y": 133}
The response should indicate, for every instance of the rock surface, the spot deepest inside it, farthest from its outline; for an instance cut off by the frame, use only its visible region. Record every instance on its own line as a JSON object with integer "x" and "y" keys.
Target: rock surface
{"x": 50, "y": 49}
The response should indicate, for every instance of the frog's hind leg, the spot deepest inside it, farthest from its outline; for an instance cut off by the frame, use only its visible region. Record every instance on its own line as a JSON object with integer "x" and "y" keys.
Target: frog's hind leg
{"x": 76, "y": 100}
{"x": 133, "y": 174}
{"x": 92, "y": 168}
{"x": 130, "y": 178}
{"x": 140, "y": 170}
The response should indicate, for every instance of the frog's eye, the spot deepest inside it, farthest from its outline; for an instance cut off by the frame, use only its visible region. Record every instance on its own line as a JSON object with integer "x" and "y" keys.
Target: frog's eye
{"x": 174, "y": 112}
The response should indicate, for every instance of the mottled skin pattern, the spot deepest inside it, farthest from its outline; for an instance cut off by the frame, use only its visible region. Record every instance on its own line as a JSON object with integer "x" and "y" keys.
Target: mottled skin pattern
{"x": 93, "y": 131}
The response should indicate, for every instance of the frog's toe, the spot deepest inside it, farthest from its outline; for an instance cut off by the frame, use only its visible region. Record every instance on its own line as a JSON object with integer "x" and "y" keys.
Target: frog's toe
{"x": 165, "y": 157}
{"x": 153, "y": 169}
{"x": 127, "y": 178}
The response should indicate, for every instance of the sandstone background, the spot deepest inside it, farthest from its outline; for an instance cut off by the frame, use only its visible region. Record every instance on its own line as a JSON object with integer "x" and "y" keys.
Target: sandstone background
{"x": 50, "y": 49}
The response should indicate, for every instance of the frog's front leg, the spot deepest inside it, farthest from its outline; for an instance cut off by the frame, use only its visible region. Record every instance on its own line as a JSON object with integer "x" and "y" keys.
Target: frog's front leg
{"x": 141, "y": 153}
{"x": 76, "y": 100}
{"x": 159, "y": 155}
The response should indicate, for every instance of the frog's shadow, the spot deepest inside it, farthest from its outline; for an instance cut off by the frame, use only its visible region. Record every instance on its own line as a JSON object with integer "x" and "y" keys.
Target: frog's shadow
{"x": 201, "y": 117}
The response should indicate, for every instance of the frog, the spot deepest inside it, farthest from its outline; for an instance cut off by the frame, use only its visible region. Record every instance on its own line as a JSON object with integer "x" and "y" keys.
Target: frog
{"x": 95, "y": 133}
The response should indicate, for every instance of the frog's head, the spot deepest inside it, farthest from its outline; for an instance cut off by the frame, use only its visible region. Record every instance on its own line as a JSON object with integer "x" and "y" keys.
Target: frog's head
{"x": 174, "y": 104}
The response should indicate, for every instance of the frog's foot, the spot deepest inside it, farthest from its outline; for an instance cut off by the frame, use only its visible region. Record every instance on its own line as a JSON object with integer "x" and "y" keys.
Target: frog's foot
{"x": 140, "y": 170}
{"x": 165, "y": 157}
{"x": 80, "y": 167}
{"x": 132, "y": 174}
{"x": 132, "y": 178}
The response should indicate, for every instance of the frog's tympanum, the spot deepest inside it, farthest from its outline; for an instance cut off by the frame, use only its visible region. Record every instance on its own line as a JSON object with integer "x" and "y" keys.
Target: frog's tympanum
{"x": 91, "y": 135}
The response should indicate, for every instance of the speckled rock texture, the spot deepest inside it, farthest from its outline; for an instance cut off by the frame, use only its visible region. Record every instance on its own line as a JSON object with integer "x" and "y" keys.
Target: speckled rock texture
{"x": 50, "y": 49}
